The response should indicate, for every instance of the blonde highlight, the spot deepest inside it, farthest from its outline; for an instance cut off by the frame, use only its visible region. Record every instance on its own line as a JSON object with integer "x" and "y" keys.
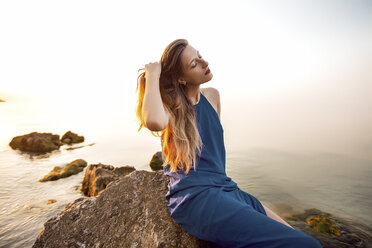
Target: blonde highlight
{"x": 180, "y": 140}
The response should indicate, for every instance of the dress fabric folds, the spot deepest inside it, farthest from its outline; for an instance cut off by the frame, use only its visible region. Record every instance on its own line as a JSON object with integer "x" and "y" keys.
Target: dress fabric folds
{"x": 210, "y": 206}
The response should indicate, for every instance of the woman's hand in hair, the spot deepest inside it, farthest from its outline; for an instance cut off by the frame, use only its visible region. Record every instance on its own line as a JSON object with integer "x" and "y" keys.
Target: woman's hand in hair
{"x": 153, "y": 68}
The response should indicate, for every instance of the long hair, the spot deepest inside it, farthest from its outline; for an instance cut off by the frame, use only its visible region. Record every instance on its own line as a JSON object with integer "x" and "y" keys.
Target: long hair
{"x": 180, "y": 140}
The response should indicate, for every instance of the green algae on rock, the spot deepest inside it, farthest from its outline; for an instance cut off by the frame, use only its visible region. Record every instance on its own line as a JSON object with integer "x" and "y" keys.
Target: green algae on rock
{"x": 58, "y": 172}
{"x": 331, "y": 231}
{"x": 156, "y": 162}
{"x": 323, "y": 224}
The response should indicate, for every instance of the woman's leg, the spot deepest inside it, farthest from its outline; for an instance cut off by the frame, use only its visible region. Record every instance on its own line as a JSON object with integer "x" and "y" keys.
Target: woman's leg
{"x": 274, "y": 216}
{"x": 219, "y": 217}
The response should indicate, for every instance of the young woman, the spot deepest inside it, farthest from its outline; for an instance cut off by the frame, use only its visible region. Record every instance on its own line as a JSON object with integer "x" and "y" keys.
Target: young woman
{"x": 202, "y": 198}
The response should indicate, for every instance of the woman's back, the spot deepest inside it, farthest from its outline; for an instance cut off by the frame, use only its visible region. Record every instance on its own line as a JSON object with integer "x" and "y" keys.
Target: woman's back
{"x": 211, "y": 163}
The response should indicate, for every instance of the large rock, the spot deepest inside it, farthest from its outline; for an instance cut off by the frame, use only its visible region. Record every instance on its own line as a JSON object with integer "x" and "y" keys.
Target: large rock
{"x": 67, "y": 170}
{"x": 70, "y": 137}
{"x": 36, "y": 142}
{"x": 130, "y": 212}
{"x": 98, "y": 176}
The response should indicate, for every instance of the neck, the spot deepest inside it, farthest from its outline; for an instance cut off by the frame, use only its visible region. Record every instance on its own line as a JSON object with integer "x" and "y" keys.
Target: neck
{"x": 193, "y": 93}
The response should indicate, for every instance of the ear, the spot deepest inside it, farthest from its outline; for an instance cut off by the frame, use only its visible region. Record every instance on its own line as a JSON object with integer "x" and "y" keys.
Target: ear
{"x": 181, "y": 81}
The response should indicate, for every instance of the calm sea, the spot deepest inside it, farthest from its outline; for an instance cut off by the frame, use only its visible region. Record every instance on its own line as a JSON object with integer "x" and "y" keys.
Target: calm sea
{"x": 284, "y": 180}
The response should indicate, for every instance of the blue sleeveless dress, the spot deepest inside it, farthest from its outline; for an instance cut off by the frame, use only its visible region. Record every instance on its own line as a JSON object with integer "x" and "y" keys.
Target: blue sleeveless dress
{"x": 209, "y": 205}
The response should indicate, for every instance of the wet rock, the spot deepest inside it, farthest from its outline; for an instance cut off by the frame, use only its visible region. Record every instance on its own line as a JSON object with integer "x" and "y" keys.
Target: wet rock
{"x": 98, "y": 176}
{"x": 156, "y": 162}
{"x": 51, "y": 201}
{"x": 130, "y": 212}
{"x": 70, "y": 137}
{"x": 331, "y": 231}
{"x": 58, "y": 172}
{"x": 36, "y": 142}
{"x": 323, "y": 224}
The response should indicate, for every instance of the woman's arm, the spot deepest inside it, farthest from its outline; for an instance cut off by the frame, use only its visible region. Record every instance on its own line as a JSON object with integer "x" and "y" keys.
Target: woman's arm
{"x": 155, "y": 116}
{"x": 274, "y": 216}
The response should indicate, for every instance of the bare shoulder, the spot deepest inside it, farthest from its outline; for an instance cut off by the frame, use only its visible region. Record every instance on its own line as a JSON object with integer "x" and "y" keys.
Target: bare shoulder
{"x": 213, "y": 96}
{"x": 213, "y": 92}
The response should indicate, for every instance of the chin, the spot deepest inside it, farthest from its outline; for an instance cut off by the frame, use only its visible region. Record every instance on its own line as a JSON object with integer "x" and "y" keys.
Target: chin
{"x": 210, "y": 76}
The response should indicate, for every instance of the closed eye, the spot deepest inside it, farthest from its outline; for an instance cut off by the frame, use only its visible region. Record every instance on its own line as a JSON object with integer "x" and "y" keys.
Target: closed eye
{"x": 196, "y": 62}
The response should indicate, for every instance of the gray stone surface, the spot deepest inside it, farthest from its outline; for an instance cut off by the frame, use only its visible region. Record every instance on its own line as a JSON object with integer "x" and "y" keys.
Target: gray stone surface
{"x": 130, "y": 212}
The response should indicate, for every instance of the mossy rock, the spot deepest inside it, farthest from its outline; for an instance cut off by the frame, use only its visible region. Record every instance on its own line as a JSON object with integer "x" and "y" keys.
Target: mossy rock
{"x": 323, "y": 224}
{"x": 156, "y": 161}
{"x": 330, "y": 230}
{"x": 58, "y": 172}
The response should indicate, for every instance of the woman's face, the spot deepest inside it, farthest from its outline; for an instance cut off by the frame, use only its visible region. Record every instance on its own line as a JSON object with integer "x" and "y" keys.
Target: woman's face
{"x": 194, "y": 67}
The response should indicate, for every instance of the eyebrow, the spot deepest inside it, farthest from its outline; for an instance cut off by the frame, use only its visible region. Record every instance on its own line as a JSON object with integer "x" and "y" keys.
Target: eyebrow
{"x": 193, "y": 59}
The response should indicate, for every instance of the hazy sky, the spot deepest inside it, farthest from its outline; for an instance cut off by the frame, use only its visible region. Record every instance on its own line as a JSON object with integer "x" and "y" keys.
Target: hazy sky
{"x": 304, "y": 65}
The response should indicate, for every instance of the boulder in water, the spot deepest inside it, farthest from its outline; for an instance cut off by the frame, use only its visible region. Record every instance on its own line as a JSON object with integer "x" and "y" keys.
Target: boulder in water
{"x": 58, "y": 172}
{"x": 36, "y": 142}
{"x": 156, "y": 162}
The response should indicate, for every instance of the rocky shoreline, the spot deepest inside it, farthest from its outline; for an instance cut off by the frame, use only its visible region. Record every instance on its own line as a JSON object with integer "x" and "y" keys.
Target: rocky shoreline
{"x": 131, "y": 211}
{"x": 123, "y": 207}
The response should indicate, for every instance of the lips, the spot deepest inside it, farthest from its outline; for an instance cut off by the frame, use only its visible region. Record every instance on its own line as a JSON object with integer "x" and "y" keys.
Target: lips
{"x": 208, "y": 71}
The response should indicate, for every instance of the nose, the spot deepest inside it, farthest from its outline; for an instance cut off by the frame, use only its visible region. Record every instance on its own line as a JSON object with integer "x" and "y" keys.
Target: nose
{"x": 205, "y": 63}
